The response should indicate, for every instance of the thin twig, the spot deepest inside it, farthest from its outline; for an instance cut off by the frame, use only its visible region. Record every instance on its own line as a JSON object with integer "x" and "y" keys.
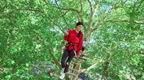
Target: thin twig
{"x": 62, "y": 8}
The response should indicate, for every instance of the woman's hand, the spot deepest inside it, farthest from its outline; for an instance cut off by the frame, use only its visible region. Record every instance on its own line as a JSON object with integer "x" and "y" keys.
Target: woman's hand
{"x": 66, "y": 33}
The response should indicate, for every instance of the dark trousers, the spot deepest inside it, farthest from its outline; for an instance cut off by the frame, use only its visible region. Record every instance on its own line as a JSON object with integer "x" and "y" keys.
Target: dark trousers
{"x": 66, "y": 59}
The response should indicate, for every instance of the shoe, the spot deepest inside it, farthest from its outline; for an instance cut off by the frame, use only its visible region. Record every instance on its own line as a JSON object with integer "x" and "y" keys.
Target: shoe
{"x": 62, "y": 74}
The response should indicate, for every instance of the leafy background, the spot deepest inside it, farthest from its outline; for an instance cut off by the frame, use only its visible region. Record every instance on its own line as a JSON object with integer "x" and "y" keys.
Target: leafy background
{"x": 31, "y": 37}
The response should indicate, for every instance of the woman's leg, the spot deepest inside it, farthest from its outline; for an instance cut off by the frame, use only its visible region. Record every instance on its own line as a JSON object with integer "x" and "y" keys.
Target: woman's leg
{"x": 70, "y": 57}
{"x": 64, "y": 59}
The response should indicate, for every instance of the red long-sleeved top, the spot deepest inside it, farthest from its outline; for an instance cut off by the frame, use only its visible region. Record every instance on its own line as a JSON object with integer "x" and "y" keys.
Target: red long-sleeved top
{"x": 74, "y": 38}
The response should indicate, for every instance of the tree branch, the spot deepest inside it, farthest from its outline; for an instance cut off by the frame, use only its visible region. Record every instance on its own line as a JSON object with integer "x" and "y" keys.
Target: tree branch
{"x": 68, "y": 9}
{"x": 120, "y": 21}
{"x": 30, "y": 9}
{"x": 127, "y": 21}
{"x": 81, "y": 12}
{"x": 92, "y": 66}
{"x": 93, "y": 10}
{"x": 104, "y": 17}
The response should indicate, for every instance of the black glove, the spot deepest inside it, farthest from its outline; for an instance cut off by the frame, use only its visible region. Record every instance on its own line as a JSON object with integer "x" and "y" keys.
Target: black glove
{"x": 83, "y": 48}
